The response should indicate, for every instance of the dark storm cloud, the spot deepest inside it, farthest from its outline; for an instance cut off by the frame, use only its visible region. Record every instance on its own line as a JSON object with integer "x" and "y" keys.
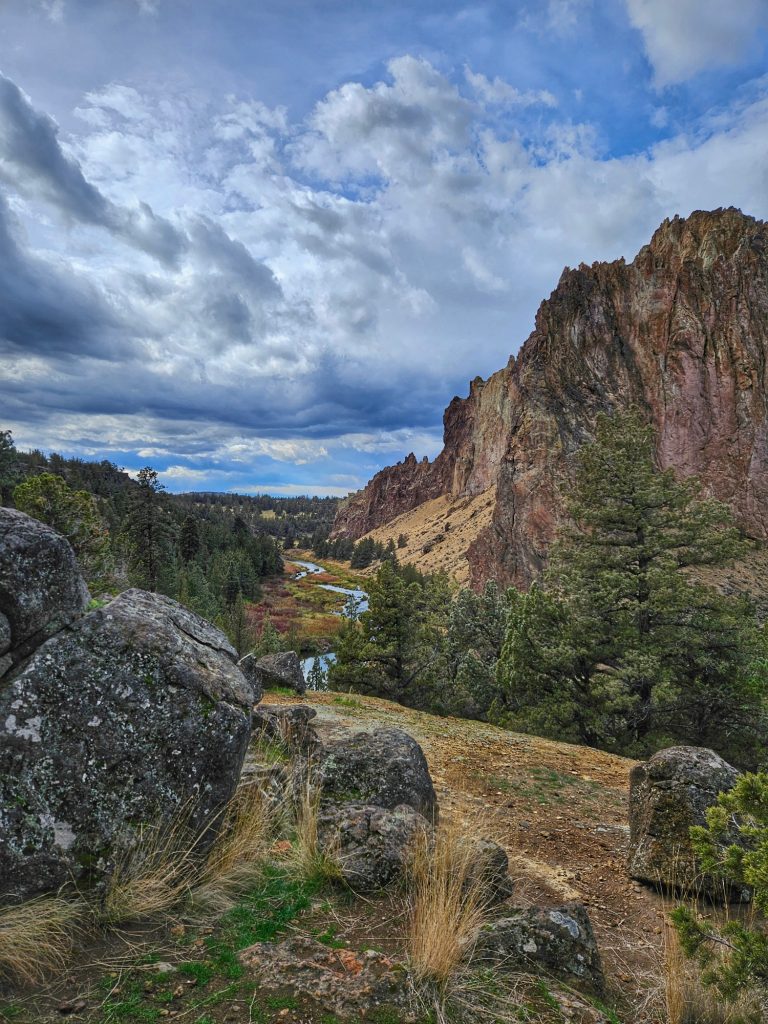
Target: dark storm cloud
{"x": 33, "y": 162}
{"x": 45, "y": 313}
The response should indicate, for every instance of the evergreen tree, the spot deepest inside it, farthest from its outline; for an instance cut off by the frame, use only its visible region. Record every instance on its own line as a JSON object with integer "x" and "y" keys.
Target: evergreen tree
{"x": 317, "y": 678}
{"x": 10, "y": 471}
{"x": 73, "y": 514}
{"x": 364, "y": 553}
{"x": 189, "y": 539}
{"x": 147, "y": 529}
{"x": 624, "y": 646}
{"x": 384, "y": 653}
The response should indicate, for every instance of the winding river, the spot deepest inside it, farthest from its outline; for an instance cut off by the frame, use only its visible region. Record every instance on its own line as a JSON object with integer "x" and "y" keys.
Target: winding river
{"x": 358, "y": 596}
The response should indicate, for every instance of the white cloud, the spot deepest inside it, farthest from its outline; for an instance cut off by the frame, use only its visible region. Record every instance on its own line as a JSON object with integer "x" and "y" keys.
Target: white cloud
{"x": 301, "y": 317}
{"x": 684, "y": 37}
{"x": 497, "y": 92}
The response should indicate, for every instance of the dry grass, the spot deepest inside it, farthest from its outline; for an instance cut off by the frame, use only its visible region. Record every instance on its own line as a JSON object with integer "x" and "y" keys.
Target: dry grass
{"x": 237, "y": 856}
{"x": 308, "y": 859}
{"x": 447, "y": 903}
{"x": 35, "y": 937}
{"x": 153, "y": 875}
{"x": 165, "y": 867}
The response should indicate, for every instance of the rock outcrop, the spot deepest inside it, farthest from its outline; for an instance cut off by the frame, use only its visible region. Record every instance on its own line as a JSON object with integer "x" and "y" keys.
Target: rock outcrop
{"x": 281, "y": 669}
{"x": 41, "y": 589}
{"x": 682, "y": 332}
{"x": 372, "y": 845}
{"x": 365, "y": 986}
{"x": 122, "y": 717}
{"x": 668, "y": 794}
{"x": 557, "y": 940}
{"x": 384, "y": 768}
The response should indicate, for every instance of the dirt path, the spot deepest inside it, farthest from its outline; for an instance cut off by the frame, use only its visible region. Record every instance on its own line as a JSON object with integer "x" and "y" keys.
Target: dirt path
{"x": 559, "y": 810}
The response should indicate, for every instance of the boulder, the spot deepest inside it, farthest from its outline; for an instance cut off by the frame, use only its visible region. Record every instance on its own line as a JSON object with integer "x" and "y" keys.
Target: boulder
{"x": 557, "y": 941}
{"x": 384, "y": 768}
{"x": 41, "y": 589}
{"x": 133, "y": 711}
{"x": 350, "y": 985}
{"x": 287, "y": 725}
{"x": 372, "y": 845}
{"x": 668, "y": 794}
{"x": 282, "y": 669}
{"x": 490, "y": 871}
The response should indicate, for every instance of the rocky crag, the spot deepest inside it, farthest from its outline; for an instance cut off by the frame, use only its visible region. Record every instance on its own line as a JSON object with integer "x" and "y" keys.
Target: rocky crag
{"x": 681, "y": 331}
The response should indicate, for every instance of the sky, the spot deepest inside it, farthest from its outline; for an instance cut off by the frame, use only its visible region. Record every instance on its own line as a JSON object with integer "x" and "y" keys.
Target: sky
{"x": 260, "y": 246}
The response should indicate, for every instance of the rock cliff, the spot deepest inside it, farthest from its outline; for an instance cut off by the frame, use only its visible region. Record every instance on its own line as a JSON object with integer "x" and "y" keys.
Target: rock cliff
{"x": 681, "y": 331}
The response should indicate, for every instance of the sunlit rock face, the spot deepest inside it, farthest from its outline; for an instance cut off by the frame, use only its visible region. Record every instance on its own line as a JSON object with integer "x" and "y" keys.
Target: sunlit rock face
{"x": 682, "y": 332}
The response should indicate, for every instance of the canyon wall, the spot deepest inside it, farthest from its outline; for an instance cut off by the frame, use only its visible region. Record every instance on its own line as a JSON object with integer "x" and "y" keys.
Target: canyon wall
{"x": 681, "y": 331}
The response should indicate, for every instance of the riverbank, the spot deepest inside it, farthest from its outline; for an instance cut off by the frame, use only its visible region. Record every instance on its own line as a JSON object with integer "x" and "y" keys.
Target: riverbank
{"x": 307, "y": 607}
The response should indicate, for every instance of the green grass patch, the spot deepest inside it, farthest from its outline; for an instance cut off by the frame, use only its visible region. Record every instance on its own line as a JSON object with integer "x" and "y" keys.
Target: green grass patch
{"x": 217, "y": 974}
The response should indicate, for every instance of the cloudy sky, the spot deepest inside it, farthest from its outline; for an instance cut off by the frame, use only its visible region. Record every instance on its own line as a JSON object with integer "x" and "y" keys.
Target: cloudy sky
{"x": 261, "y": 245}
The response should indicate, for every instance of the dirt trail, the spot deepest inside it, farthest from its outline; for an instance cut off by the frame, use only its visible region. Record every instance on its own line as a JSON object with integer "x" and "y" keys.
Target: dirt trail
{"x": 559, "y": 810}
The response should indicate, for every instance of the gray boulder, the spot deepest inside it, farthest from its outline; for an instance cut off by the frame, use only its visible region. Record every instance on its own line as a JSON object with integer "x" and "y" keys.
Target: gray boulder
{"x": 282, "y": 669}
{"x": 131, "y": 712}
{"x": 41, "y": 589}
{"x": 490, "y": 871}
{"x": 384, "y": 768}
{"x": 557, "y": 941}
{"x": 289, "y": 726}
{"x": 668, "y": 794}
{"x": 372, "y": 845}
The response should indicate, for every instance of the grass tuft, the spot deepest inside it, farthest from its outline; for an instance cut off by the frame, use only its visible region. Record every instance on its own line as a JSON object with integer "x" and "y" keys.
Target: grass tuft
{"x": 35, "y": 937}
{"x": 308, "y": 859}
{"x": 236, "y": 859}
{"x": 448, "y": 903}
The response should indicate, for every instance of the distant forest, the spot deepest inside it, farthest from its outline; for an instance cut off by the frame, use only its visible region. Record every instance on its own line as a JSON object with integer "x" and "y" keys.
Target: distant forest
{"x": 208, "y": 550}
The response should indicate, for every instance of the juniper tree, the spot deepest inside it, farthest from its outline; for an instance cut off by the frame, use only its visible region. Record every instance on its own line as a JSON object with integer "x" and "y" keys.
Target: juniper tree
{"x": 74, "y": 514}
{"x": 623, "y": 644}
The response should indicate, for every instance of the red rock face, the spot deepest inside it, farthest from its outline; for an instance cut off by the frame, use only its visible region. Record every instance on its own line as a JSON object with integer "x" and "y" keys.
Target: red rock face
{"x": 681, "y": 331}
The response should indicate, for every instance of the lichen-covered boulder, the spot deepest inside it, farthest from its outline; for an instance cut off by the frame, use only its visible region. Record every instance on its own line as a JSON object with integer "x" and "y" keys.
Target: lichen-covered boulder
{"x": 668, "y": 794}
{"x": 129, "y": 713}
{"x": 372, "y": 845}
{"x": 384, "y": 768}
{"x": 282, "y": 669}
{"x": 41, "y": 589}
{"x": 557, "y": 940}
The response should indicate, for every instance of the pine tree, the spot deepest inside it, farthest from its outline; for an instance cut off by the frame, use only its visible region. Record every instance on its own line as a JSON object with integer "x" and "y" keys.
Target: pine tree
{"x": 317, "y": 678}
{"x": 189, "y": 539}
{"x": 10, "y": 472}
{"x": 386, "y": 652}
{"x": 624, "y": 643}
{"x": 147, "y": 529}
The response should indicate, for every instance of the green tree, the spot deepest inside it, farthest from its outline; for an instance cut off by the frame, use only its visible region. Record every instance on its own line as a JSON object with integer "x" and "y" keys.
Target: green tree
{"x": 189, "y": 539}
{"x": 74, "y": 514}
{"x": 389, "y": 651}
{"x": 733, "y": 846}
{"x": 10, "y": 471}
{"x": 623, "y": 645}
{"x": 317, "y": 678}
{"x": 364, "y": 554}
{"x": 147, "y": 528}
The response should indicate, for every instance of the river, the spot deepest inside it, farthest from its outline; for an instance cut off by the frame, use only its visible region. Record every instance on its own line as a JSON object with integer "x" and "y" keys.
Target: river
{"x": 360, "y": 598}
